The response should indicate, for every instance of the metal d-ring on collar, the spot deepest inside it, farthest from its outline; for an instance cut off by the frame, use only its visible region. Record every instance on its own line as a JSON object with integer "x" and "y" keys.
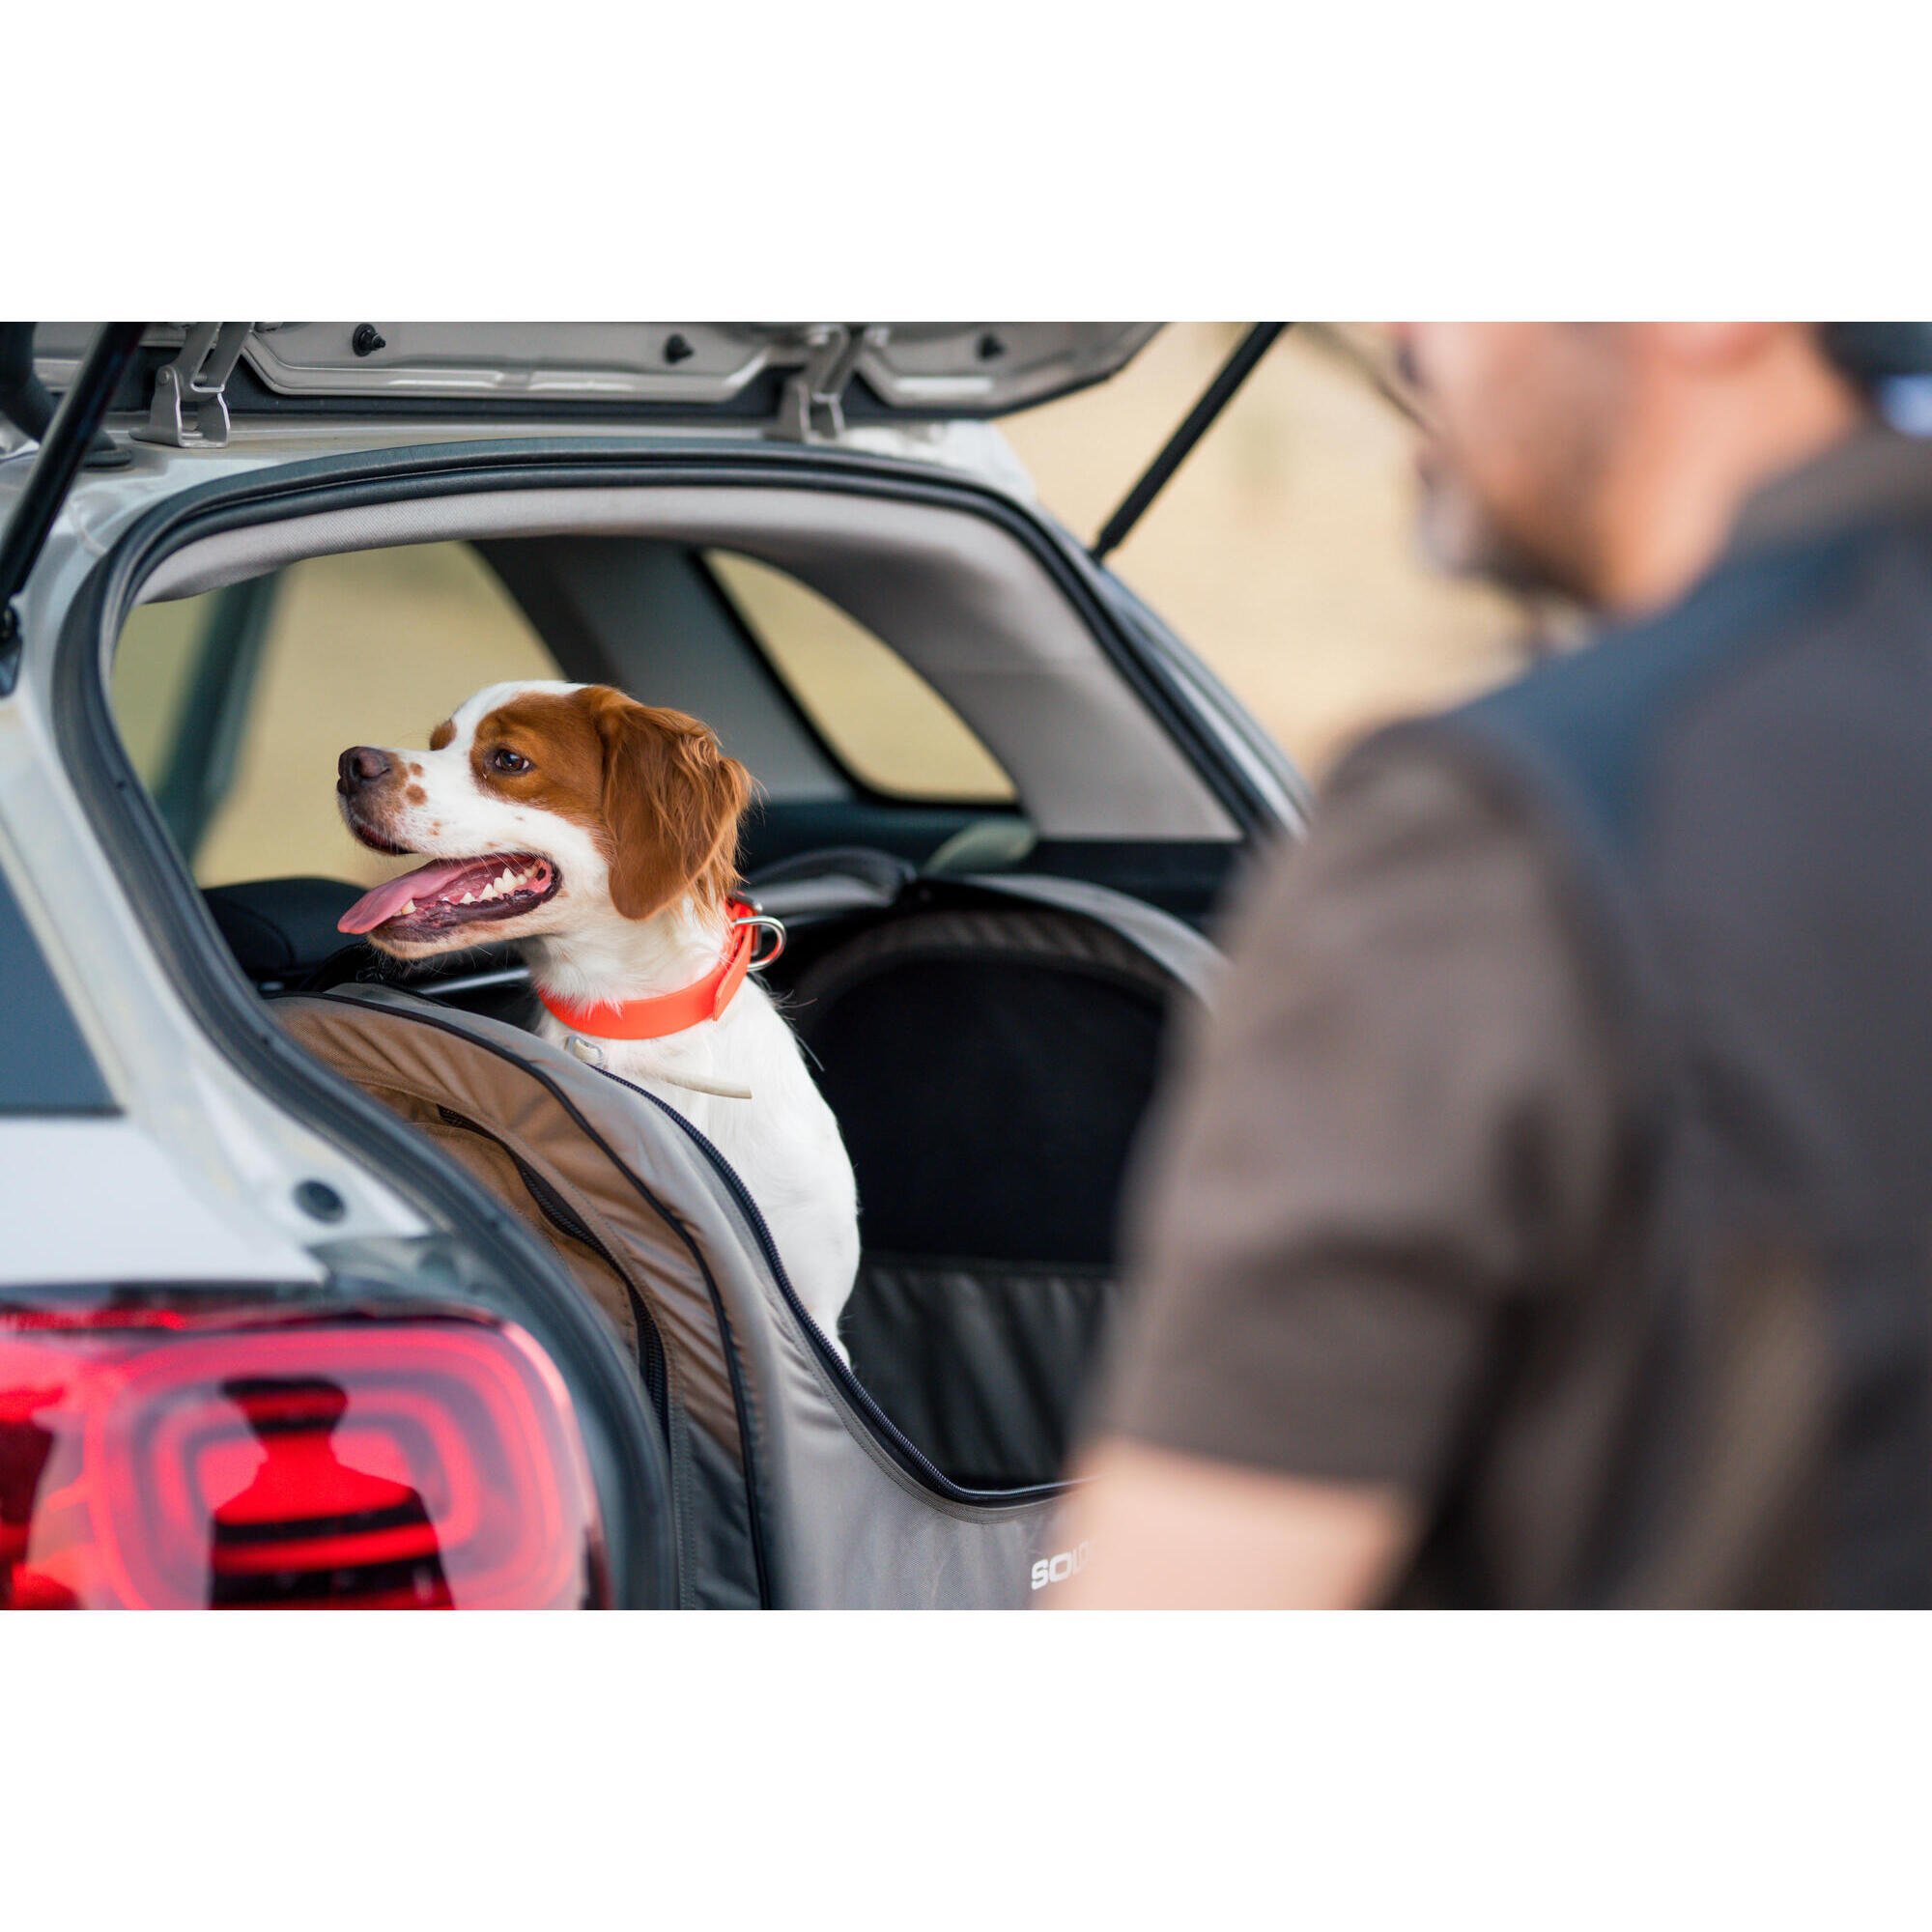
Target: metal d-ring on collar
{"x": 775, "y": 926}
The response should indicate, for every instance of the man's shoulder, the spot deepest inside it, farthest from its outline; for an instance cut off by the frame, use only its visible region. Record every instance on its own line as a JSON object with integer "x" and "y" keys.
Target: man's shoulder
{"x": 1585, "y": 727}
{"x": 1408, "y": 834}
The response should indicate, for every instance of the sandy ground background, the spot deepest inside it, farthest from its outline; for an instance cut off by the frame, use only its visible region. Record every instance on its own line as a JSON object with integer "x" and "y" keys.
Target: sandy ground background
{"x": 1282, "y": 549}
{"x": 1282, "y": 552}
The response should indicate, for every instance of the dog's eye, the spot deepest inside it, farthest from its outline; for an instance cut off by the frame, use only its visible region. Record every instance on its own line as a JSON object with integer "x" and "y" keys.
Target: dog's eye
{"x": 506, "y": 760}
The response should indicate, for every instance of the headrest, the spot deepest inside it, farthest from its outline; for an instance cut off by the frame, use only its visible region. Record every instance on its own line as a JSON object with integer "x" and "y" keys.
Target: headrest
{"x": 278, "y": 927}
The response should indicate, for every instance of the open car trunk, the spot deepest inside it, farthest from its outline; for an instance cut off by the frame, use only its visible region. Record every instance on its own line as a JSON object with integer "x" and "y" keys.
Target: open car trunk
{"x": 988, "y": 1043}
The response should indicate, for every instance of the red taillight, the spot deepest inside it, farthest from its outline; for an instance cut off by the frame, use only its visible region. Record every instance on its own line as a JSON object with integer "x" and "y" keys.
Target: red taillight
{"x": 168, "y": 1458}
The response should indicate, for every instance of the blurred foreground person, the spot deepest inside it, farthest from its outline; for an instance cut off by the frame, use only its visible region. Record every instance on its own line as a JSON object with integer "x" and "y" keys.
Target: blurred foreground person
{"x": 1544, "y": 1217}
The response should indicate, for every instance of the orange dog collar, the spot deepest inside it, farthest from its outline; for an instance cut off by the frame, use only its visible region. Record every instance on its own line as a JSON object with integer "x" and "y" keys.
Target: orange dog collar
{"x": 665, "y": 1013}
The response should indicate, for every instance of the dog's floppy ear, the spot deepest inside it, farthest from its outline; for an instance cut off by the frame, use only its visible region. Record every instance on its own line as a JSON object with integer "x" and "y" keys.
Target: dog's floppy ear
{"x": 672, "y": 803}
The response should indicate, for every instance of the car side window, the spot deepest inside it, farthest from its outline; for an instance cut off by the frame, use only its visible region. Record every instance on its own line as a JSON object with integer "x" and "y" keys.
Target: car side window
{"x": 235, "y": 705}
{"x": 881, "y": 720}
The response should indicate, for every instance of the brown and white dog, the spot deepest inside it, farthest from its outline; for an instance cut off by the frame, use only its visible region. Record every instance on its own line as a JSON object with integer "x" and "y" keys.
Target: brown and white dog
{"x": 601, "y": 835}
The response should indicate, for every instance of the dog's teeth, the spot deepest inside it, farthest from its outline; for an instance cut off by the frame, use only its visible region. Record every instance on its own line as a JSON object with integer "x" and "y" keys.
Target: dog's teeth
{"x": 508, "y": 880}
{"x": 467, "y": 899}
{"x": 489, "y": 891}
{"x": 409, "y": 907}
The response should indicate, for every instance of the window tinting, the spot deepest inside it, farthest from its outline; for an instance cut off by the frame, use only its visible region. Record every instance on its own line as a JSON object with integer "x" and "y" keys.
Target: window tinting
{"x": 45, "y": 1064}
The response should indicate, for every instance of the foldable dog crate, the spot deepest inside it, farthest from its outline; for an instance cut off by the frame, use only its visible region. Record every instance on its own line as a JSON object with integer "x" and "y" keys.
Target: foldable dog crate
{"x": 989, "y": 1046}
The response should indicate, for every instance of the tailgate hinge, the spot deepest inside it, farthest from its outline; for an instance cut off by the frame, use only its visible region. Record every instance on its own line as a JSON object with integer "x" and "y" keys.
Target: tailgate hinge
{"x": 810, "y": 410}
{"x": 195, "y": 380}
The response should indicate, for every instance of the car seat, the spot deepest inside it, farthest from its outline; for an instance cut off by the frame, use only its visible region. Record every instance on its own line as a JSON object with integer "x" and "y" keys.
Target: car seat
{"x": 928, "y": 1478}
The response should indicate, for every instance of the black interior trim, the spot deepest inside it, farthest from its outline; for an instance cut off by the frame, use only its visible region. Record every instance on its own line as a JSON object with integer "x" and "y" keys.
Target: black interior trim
{"x": 1187, "y": 877}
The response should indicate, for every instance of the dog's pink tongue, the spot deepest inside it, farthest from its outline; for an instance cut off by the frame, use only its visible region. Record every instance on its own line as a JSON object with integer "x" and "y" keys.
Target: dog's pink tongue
{"x": 389, "y": 898}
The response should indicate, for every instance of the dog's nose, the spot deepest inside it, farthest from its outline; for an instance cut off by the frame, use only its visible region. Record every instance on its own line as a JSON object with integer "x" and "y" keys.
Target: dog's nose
{"x": 360, "y": 766}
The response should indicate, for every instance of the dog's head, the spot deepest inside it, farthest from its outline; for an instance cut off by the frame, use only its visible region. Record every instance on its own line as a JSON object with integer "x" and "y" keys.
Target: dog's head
{"x": 543, "y": 809}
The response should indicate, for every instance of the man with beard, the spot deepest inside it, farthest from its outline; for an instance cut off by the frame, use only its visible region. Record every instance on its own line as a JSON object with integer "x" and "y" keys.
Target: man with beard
{"x": 1543, "y": 1218}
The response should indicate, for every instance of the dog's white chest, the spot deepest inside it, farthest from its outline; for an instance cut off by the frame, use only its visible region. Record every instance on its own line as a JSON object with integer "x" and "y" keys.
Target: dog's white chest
{"x": 691, "y": 1078}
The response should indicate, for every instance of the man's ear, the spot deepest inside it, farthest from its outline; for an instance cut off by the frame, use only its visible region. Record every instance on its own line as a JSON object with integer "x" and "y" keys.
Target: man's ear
{"x": 671, "y": 805}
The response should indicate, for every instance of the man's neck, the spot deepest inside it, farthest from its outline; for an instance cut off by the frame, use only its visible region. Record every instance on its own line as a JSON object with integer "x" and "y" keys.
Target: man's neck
{"x": 619, "y": 960}
{"x": 1691, "y": 467}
